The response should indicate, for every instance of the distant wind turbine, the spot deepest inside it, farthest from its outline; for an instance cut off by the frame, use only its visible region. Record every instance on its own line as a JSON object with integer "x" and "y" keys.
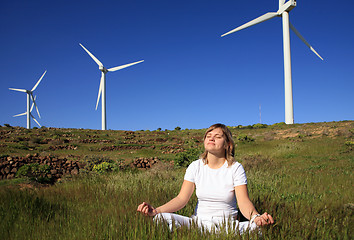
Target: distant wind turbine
{"x": 29, "y": 98}
{"x": 283, "y": 11}
{"x": 102, "y": 89}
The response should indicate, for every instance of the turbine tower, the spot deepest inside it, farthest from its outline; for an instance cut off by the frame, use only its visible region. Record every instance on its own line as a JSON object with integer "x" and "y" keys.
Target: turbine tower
{"x": 102, "y": 89}
{"x": 29, "y": 98}
{"x": 21, "y": 114}
{"x": 283, "y": 11}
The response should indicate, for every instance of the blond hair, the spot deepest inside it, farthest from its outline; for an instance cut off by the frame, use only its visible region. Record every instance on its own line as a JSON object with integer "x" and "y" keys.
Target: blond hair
{"x": 230, "y": 148}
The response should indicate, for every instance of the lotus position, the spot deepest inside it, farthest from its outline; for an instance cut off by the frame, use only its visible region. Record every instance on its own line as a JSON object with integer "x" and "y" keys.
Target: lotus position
{"x": 220, "y": 184}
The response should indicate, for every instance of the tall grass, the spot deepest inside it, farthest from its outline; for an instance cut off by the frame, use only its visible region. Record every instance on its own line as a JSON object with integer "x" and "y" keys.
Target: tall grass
{"x": 104, "y": 207}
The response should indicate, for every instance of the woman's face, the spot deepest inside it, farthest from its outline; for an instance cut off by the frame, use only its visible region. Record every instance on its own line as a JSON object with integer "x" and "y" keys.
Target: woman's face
{"x": 215, "y": 142}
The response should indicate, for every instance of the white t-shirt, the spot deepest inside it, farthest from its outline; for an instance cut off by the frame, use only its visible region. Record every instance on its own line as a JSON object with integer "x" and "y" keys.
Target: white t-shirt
{"x": 215, "y": 188}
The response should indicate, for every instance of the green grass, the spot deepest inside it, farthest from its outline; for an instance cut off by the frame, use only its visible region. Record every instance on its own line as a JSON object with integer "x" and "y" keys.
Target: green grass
{"x": 304, "y": 182}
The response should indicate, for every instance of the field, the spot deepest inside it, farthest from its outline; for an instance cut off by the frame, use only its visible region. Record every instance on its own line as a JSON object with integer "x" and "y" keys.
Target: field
{"x": 302, "y": 174}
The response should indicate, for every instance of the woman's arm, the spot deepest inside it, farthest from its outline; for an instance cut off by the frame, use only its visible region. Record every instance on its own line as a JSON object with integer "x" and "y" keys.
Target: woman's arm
{"x": 247, "y": 208}
{"x": 174, "y": 205}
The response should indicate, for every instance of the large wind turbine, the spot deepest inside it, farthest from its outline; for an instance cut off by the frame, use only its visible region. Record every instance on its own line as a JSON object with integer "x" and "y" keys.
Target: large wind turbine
{"x": 102, "y": 89}
{"x": 283, "y": 11}
{"x": 29, "y": 98}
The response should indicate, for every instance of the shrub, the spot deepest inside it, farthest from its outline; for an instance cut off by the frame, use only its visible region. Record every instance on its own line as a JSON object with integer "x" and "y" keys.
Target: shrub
{"x": 35, "y": 140}
{"x": 183, "y": 159}
{"x": 178, "y": 128}
{"x": 92, "y": 162}
{"x": 279, "y": 124}
{"x": 35, "y": 172}
{"x": 7, "y": 125}
{"x": 20, "y": 146}
{"x": 259, "y": 125}
{"x": 349, "y": 144}
{"x": 105, "y": 167}
{"x": 243, "y": 138}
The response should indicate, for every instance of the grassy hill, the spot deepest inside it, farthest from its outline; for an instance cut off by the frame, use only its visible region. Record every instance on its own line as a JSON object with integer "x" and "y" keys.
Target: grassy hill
{"x": 301, "y": 173}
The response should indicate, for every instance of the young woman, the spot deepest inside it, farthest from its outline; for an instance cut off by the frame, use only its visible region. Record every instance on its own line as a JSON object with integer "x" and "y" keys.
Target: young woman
{"x": 220, "y": 184}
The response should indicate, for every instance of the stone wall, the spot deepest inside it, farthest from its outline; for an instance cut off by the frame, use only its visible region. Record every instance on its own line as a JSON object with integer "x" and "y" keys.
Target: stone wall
{"x": 58, "y": 166}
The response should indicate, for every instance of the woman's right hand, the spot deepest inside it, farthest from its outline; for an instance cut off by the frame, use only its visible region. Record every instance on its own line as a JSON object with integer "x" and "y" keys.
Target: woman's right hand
{"x": 146, "y": 209}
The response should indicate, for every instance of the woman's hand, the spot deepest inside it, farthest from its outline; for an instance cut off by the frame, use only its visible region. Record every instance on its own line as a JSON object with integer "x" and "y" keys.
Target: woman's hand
{"x": 264, "y": 219}
{"x": 146, "y": 209}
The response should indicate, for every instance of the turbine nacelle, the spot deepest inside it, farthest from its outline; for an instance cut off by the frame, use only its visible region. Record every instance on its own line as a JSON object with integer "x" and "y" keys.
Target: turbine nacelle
{"x": 288, "y": 6}
{"x": 103, "y": 69}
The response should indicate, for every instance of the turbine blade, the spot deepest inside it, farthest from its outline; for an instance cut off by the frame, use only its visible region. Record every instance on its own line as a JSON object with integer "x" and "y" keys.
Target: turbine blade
{"x": 92, "y": 56}
{"x": 34, "y": 102}
{"x": 100, "y": 90}
{"x": 260, "y": 19}
{"x": 303, "y": 39}
{"x": 281, "y": 3}
{"x": 35, "y": 120}
{"x": 35, "y": 86}
{"x": 21, "y": 114}
{"x": 19, "y": 90}
{"x": 123, "y": 66}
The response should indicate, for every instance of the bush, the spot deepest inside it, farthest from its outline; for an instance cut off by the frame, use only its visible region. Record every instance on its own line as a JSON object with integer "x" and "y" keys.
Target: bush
{"x": 105, "y": 167}
{"x": 178, "y": 128}
{"x": 35, "y": 172}
{"x": 183, "y": 159}
{"x": 259, "y": 125}
{"x": 349, "y": 144}
{"x": 20, "y": 146}
{"x": 35, "y": 140}
{"x": 95, "y": 162}
{"x": 279, "y": 124}
{"x": 243, "y": 138}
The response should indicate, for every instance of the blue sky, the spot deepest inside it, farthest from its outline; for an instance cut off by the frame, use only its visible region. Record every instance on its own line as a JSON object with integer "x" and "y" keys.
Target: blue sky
{"x": 191, "y": 77}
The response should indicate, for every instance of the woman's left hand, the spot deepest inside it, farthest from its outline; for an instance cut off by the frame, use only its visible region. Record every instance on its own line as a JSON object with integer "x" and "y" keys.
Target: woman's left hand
{"x": 264, "y": 219}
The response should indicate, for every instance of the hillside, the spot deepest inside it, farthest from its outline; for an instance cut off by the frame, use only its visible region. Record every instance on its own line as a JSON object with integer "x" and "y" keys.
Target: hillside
{"x": 69, "y": 151}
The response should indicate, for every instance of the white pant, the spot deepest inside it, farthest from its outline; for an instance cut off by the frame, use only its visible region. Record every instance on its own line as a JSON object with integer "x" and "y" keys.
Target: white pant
{"x": 207, "y": 223}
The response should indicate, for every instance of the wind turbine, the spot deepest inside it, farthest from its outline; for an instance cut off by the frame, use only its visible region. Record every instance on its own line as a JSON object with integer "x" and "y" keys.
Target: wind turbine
{"x": 21, "y": 114}
{"x": 29, "y": 98}
{"x": 102, "y": 89}
{"x": 283, "y": 11}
